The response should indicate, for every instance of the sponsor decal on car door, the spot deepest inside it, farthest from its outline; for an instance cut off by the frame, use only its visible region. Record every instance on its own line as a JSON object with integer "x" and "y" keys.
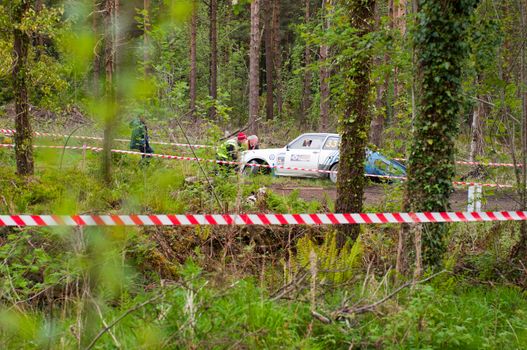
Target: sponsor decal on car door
{"x": 303, "y": 155}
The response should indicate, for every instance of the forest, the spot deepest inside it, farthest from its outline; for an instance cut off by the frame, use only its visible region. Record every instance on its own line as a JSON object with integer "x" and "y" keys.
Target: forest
{"x": 263, "y": 174}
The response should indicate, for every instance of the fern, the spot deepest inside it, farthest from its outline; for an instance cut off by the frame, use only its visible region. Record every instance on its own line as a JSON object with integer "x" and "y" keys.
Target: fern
{"x": 333, "y": 265}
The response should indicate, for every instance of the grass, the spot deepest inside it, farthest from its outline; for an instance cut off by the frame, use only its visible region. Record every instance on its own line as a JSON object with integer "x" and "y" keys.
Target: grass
{"x": 58, "y": 287}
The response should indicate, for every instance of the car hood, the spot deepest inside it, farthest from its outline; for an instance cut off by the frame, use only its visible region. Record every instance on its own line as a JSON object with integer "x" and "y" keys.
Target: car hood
{"x": 264, "y": 154}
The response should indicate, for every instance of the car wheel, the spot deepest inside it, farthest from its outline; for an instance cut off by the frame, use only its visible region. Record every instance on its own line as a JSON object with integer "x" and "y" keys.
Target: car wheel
{"x": 251, "y": 170}
{"x": 333, "y": 176}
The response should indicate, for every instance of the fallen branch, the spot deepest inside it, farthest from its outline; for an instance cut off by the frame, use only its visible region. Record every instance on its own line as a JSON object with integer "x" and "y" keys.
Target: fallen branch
{"x": 240, "y": 130}
{"x": 114, "y": 322}
{"x": 371, "y": 307}
{"x": 286, "y": 289}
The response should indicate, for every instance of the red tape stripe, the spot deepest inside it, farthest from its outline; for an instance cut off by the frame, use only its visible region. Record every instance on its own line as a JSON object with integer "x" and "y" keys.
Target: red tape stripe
{"x": 263, "y": 219}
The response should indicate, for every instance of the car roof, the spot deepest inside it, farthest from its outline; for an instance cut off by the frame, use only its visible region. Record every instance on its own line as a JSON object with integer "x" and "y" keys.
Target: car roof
{"x": 319, "y": 134}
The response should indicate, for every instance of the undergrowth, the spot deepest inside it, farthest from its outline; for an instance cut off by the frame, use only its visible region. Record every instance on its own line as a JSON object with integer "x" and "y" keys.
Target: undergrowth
{"x": 232, "y": 287}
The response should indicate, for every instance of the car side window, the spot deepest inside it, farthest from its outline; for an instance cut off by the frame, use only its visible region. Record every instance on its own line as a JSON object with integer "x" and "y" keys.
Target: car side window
{"x": 308, "y": 142}
{"x": 332, "y": 143}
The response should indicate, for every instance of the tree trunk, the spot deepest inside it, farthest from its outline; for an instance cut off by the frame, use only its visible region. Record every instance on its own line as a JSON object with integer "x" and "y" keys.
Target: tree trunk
{"x": 39, "y": 38}
{"x": 306, "y": 89}
{"x": 193, "y": 63}
{"x": 519, "y": 251}
{"x": 96, "y": 56}
{"x": 110, "y": 23}
{"x": 377, "y": 123}
{"x": 431, "y": 166}
{"x": 254, "y": 73}
{"x": 24, "y": 134}
{"x": 277, "y": 55}
{"x": 213, "y": 68}
{"x": 146, "y": 30}
{"x": 324, "y": 75}
{"x": 269, "y": 53}
{"x": 355, "y": 121}
{"x": 478, "y": 118}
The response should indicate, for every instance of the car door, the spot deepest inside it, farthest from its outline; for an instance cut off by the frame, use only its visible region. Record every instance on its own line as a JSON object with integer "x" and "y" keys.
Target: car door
{"x": 302, "y": 155}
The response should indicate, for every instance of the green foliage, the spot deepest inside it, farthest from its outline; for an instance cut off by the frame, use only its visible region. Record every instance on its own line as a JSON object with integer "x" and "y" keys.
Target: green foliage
{"x": 334, "y": 265}
{"x": 440, "y": 38}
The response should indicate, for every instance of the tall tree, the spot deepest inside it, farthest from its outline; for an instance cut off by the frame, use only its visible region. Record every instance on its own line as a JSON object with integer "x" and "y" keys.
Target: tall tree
{"x": 96, "y": 57}
{"x": 146, "y": 44}
{"x": 355, "y": 119}
{"x": 193, "y": 62}
{"x": 277, "y": 55}
{"x": 441, "y": 45}
{"x": 213, "y": 43}
{"x": 306, "y": 82}
{"x": 324, "y": 72}
{"x": 110, "y": 38}
{"x": 24, "y": 133}
{"x": 377, "y": 122}
{"x": 520, "y": 249}
{"x": 254, "y": 66}
{"x": 269, "y": 58}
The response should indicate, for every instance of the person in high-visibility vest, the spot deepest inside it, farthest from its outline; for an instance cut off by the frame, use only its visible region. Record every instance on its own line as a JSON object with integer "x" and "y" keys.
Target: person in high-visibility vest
{"x": 5, "y": 139}
{"x": 230, "y": 149}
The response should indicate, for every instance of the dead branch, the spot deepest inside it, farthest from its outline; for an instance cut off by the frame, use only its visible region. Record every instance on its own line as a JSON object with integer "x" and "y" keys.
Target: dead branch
{"x": 114, "y": 322}
{"x": 371, "y": 307}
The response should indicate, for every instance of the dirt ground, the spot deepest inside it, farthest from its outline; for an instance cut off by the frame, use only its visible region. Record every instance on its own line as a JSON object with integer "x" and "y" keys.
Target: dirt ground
{"x": 375, "y": 195}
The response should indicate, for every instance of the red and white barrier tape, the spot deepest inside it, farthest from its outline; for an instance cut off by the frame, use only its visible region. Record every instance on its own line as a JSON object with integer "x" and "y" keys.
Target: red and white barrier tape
{"x": 45, "y": 134}
{"x": 168, "y": 156}
{"x": 474, "y": 163}
{"x": 12, "y": 131}
{"x": 257, "y": 219}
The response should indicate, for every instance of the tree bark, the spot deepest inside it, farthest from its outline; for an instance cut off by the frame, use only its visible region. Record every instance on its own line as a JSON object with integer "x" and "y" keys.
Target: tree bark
{"x": 254, "y": 73}
{"x": 39, "y": 39}
{"x": 269, "y": 53}
{"x": 96, "y": 56}
{"x": 355, "y": 121}
{"x": 193, "y": 63}
{"x": 213, "y": 68}
{"x": 277, "y": 56}
{"x": 377, "y": 123}
{"x": 308, "y": 76}
{"x": 431, "y": 166}
{"x": 478, "y": 118}
{"x": 519, "y": 251}
{"x": 110, "y": 23}
{"x": 146, "y": 30}
{"x": 324, "y": 75}
{"x": 24, "y": 133}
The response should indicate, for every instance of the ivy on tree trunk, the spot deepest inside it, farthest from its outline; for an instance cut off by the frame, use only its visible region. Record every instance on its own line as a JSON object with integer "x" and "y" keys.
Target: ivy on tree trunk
{"x": 354, "y": 123}
{"x": 440, "y": 42}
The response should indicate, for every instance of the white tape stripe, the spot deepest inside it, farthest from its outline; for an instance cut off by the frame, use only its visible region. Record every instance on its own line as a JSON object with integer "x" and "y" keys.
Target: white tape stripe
{"x": 88, "y": 220}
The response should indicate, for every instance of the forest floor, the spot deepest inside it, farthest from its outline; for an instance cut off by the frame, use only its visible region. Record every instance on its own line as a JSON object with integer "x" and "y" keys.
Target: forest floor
{"x": 375, "y": 195}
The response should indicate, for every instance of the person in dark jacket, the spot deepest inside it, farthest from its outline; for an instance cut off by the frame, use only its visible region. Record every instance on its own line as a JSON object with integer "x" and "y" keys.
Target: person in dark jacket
{"x": 139, "y": 140}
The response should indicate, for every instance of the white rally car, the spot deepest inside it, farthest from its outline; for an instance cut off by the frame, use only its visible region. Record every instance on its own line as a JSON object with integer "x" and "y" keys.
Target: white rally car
{"x": 308, "y": 153}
